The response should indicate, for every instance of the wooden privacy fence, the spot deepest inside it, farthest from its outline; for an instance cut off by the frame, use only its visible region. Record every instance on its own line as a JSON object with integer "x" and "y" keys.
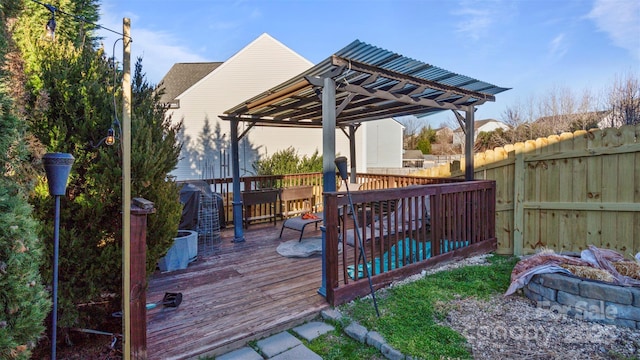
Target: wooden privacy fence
{"x": 403, "y": 231}
{"x": 565, "y": 192}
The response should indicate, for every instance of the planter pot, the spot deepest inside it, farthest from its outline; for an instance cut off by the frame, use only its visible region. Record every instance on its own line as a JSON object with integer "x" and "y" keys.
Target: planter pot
{"x": 183, "y": 251}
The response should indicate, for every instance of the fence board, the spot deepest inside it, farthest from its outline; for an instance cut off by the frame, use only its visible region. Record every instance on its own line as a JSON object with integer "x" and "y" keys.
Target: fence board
{"x": 579, "y": 192}
{"x": 609, "y": 189}
{"x": 626, "y": 185}
{"x": 594, "y": 186}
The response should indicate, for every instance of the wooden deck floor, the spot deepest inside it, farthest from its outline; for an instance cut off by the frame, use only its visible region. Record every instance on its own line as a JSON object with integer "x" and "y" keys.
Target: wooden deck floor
{"x": 240, "y": 293}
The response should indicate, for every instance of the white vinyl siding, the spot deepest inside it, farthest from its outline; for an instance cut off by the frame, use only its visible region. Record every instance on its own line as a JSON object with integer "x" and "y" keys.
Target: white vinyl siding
{"x": 384, "y": 140}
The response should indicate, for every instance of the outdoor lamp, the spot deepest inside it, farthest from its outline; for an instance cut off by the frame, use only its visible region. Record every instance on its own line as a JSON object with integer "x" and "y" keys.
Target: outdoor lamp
{"x": 51, "y": 24}
{"x": 57, "y": 166}
{"x": 111, "y": 137}
{"x": 51, "y": 27}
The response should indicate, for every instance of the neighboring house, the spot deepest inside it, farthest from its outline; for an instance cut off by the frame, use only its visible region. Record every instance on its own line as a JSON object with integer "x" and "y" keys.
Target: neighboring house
{"x": 198, "y": 93}
{"x": 444, "y": 135}
{"x": 620, "y": 117}
{"x": 479, "y": 126}
{"x": 412, "y": 158}
{"x": 383, "y": 143}
{"x": 571, "y": 122}
{"x": 181, "y": 77}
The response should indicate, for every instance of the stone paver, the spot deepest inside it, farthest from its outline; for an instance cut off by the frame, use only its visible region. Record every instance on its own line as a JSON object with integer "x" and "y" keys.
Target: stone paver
{"x": 299, "y": 352}
{"x": 335, "y": 315}
{"x": 375, "y": 339}
{"x": 276, "y": 344}
{"x": 313, "y": 329}
{"x": 356, "y": 331}
{"x": 245, "y": 353}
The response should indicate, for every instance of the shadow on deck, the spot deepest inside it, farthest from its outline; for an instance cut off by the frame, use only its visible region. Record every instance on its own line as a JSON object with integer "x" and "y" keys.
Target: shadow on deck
{"x": 242, "y": 292}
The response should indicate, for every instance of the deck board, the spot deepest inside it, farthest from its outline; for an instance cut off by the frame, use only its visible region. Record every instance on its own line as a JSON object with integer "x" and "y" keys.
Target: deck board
{"x": 240, "y": 293}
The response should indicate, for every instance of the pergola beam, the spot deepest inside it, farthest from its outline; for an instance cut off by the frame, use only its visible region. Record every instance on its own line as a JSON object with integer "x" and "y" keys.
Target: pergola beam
{"x": 406, "y": 99}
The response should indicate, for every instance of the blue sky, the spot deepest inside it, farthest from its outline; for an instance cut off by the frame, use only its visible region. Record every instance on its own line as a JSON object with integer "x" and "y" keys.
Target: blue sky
{"x": 531, "y": 46}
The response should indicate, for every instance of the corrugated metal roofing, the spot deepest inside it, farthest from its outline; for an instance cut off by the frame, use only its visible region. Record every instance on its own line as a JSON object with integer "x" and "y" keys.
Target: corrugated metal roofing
{"x": 372, "y": 83}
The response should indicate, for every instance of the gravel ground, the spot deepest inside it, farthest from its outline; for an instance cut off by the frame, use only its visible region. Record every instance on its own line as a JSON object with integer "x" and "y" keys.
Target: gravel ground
{"x": 515, "y": 328}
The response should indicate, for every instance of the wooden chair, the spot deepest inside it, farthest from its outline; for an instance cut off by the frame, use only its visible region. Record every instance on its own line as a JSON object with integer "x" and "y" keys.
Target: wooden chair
{"x": 297, "y": 200}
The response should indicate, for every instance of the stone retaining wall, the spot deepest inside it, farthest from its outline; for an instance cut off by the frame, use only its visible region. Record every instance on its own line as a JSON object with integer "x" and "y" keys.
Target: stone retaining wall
{"x": 586, "y": 299}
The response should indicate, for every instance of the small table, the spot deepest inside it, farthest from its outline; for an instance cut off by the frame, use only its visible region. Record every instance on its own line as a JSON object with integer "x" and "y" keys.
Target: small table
{"x": 298, "y": 223}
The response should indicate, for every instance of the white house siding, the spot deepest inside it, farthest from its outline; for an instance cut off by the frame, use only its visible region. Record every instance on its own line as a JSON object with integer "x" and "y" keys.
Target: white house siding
{"x": 384, "y": 138}
{"x": 304, "y": 141}
{"x": 262, "y": 64}
{"x": 259, "y": 66}
{"x": 459, "y": 137}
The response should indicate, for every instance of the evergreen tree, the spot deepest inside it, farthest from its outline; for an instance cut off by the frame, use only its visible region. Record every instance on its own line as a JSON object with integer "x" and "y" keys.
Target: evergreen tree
{"x": 288, "y": 161}
{"x": 426, "y": 137}
{"x": 23, "y": 300}
{"x": 74, "y": 98}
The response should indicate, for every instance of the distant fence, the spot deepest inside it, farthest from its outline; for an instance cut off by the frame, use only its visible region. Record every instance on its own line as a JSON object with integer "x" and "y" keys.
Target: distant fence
{"x": 564, "y": 192}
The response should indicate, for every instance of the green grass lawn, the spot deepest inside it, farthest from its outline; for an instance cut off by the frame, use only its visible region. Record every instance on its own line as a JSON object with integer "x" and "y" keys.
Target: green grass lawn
{"x": 410, "y": 314}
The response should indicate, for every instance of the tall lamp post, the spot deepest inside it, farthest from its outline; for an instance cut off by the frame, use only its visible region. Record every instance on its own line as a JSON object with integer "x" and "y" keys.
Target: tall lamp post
{"x": 126, "y": 185}
{"x": 57, "y": 166}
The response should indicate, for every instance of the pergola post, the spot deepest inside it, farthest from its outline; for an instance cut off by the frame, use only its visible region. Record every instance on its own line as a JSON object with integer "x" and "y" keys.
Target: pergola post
{"x": 238, "y": 235}
{"x": 328, "y": 157}
{"x": 468, "y": 144}
{"x": 352, "y": 153}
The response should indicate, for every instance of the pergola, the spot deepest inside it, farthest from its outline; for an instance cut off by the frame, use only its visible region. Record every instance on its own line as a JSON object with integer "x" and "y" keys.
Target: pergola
{"x": 359, "y": 83}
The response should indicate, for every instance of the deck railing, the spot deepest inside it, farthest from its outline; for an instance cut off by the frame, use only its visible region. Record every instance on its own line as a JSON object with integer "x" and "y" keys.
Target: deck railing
{"x": 223, "y": 186}
{"x": 403, "y": 230}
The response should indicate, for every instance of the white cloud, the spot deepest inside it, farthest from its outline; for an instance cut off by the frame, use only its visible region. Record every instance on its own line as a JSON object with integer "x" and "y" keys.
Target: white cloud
{"x": 479, "y": 19}
{"x": 476, "y": 22}
{"x": 557, "y": 46}
{"x": 620, "y": 19}
{"x": 159, "y": 50}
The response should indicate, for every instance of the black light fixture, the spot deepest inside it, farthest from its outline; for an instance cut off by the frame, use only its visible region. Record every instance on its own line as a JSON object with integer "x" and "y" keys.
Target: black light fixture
{"x": 112, "y": 135}
{"x": 111, "y": 138}
{"x": 51, "y": 24}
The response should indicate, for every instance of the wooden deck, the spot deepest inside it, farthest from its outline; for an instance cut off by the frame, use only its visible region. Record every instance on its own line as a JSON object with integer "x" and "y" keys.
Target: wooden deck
{"x": 242, "y": 292}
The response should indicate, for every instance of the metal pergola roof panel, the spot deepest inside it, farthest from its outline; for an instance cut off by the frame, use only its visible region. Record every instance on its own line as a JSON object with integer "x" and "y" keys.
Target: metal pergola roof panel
{"x": 371, "y": 83}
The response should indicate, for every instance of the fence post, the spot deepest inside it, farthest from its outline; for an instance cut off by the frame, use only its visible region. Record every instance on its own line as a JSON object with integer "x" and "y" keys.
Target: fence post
{"x": 138, "y": 299}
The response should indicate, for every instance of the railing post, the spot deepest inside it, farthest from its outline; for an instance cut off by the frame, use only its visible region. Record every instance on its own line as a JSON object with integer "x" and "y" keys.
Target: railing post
{"x": 330, "y": 249}
{"x": 138, "y": 276}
